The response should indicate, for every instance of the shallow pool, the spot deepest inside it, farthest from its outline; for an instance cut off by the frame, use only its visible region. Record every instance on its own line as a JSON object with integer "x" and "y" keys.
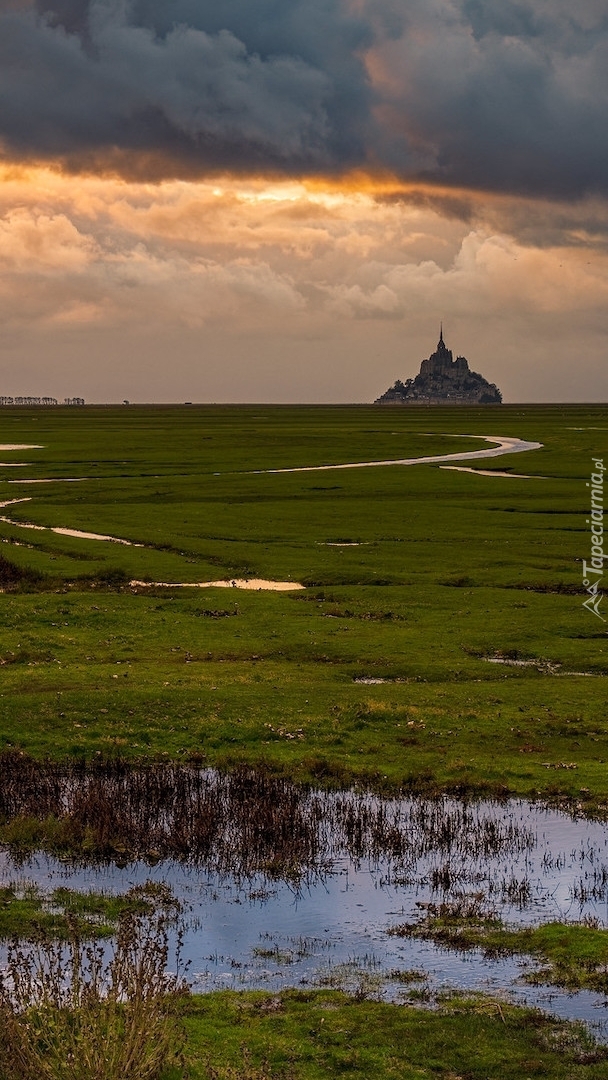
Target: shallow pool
{"x": 328, "y": 922}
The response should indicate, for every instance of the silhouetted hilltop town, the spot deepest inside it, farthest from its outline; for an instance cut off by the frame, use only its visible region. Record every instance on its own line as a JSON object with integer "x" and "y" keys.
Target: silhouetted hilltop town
{"x": 443, "y": 381}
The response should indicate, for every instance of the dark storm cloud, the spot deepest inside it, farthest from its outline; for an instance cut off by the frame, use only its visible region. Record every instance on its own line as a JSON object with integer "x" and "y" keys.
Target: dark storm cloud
{"x": 508, "y": 96}
{"x": 111, "y": 83}
{"x": 494, "y": 94}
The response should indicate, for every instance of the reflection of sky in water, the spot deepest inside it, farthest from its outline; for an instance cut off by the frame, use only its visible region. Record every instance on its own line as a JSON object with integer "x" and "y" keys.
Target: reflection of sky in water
{"x": 262, "y": 934}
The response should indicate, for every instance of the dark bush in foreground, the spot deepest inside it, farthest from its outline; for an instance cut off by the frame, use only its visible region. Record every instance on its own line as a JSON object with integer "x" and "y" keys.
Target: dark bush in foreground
{"x": 68, "y": 1013}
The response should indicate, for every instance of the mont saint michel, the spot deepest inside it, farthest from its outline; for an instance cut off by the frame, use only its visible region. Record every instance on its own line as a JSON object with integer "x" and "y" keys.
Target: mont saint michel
{"x": 443, "y": 381}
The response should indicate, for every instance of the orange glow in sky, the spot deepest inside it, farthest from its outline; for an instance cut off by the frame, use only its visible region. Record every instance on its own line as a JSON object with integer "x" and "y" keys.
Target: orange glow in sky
{"x": 338, "y": 272}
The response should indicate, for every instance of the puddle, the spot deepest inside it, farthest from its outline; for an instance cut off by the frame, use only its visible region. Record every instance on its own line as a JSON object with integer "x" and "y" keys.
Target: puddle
{"x": 283, "y": 886}
{"x": 20, "y": 446}
{"x": 78, "y": 533}
{"x": 92, "y": 536}
{"x": 542, "y": 665}
{"x": 368, "y": 680}
{"x": 546, "y": 667}
{"x": 233, "y": 583}
{"x": 343, "y": 543}
{"x": 55, "y": 480}
{"x": 478, "y": 472}
{"x": 11, "y": 502}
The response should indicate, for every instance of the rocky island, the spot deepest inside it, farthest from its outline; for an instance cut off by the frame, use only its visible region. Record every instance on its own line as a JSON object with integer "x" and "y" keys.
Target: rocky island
{"x": 443, "y": 381}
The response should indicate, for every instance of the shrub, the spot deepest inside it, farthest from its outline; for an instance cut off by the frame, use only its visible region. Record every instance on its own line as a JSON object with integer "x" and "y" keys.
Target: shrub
{"x": 67, "y": 1012}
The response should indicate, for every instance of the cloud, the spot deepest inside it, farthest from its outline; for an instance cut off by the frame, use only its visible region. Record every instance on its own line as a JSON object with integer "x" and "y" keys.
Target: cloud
{"x": 76, "y": 83}
{"x": 252, "y": 253}
{"x": 497, "y": 95}
{"x": 255, "y": 289}
{"x": 88, "y": 250}
{"x": 34, "y": 242}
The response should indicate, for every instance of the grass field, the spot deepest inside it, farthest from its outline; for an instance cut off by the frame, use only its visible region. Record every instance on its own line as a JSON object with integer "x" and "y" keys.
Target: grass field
{"x": 308, "y": 1035}
{"x": 379, "y": 669}
{"x": 450, "y": 570}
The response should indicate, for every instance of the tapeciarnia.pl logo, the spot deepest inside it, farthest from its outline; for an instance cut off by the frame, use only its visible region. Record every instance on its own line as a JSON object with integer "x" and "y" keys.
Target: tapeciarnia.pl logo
{"x": 594, "y": 571}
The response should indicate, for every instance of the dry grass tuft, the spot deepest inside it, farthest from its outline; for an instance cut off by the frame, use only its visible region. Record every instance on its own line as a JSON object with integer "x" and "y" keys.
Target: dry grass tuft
{"x": 69, "y": 1013}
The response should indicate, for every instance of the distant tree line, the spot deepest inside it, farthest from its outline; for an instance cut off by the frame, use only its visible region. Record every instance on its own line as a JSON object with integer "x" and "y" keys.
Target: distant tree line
{"x": 39, "y": 400}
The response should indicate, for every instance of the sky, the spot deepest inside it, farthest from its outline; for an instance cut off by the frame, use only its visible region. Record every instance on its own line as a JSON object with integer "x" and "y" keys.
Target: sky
{"x": 280, "y": 200}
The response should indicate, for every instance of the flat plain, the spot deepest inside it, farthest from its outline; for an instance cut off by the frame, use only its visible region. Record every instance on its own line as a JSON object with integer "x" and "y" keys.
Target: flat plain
{"x": 394, "y": 665}
{"x": 434, "y": 642}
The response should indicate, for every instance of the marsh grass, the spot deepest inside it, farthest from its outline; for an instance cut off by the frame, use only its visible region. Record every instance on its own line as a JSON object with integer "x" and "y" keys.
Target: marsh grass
{"x": 25, "y": 911}
{"x": 573, "y": 956}
{"x": 247, "y": 1069}
{"x": 449, "y": 569}
{"x": 308, "y": 1034}
{"x": 362, "y": 979}
{"x": 239, "y": 823}
{"x": 69, "y": 1013}
{"x": 13, "y": 576}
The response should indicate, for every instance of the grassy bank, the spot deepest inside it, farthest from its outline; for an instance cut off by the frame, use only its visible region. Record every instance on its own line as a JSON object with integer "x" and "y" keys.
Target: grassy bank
{"x": 26, "y": 912}
{"x": 306, "y": 1036}
{"x": 295, "y": 1035}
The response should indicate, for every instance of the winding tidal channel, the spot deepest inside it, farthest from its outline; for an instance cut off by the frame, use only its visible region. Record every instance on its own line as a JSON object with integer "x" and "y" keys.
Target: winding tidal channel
{"x": 505, "y": 445}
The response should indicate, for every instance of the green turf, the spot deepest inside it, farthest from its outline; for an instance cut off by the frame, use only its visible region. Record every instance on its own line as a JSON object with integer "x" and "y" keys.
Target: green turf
{"x": 451, "y": 570}
{"x": 28, "y": 913}
{"x": 309, "y": 1035}
{"x": 571, "y": 955}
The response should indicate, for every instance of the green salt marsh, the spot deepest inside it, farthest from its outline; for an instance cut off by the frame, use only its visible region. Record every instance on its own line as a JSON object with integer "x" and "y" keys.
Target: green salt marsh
{"x": 416, "y": 578}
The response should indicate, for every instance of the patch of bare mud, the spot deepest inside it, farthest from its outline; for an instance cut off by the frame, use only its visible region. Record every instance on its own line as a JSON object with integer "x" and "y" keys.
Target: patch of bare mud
{"x": 546, "y": 667}
{"x": 368, "y": 680}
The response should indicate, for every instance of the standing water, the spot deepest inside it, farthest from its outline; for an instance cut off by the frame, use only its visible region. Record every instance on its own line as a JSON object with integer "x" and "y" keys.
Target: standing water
{"x": 286, "y": 886}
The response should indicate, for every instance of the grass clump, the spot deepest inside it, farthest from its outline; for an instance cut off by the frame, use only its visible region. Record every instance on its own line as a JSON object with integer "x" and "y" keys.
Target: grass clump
{"x": 18, "y": 577}
{"x": 68, "y": 1013}
{"x": 27, "y": 911}
{"x": 573, "y": 955}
